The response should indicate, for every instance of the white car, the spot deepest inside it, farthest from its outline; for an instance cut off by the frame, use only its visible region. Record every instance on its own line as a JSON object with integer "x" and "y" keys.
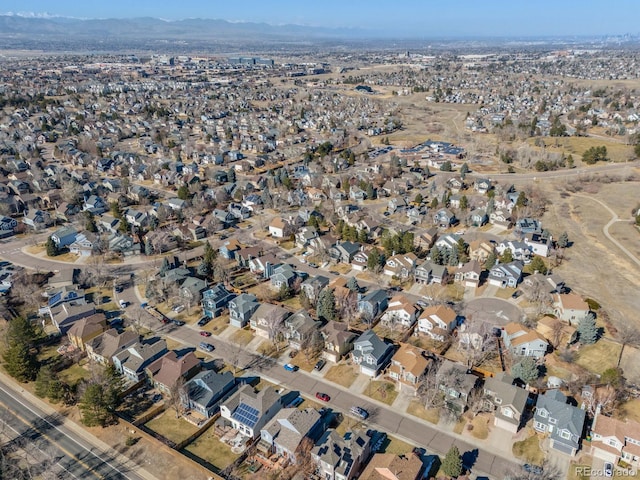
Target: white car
{"x": 178, "y": 308}
{"x": 123, "y": 304}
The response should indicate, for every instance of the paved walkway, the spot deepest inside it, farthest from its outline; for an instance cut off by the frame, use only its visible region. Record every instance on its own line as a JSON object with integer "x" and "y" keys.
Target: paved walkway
{"x": 402, "y": 401}
{"x": 360, "y": 383}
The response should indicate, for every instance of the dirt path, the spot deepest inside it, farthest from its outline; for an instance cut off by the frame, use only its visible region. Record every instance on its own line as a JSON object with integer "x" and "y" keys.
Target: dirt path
{"x": 605, "y": 229}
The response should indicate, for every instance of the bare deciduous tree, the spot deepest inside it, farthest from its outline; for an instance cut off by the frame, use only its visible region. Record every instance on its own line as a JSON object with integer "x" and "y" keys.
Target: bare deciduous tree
{"x": 176, "y": 395}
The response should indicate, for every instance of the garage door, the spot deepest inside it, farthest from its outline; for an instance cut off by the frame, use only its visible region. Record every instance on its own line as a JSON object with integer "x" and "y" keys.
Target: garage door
{"x": 561, "y": 447}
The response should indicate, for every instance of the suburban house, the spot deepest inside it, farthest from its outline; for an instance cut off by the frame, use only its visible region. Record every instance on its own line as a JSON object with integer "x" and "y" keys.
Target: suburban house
{"x": 283, "y": 275}
{"x": 204, "y": 392}
{"x": 280, "y": 228}
{"x": 401, "y": 265}
{"x": 268, "y": 320}
{"x": 482, "y": 185}
{"x": 456, "y": 383}
{"x": 132, "y": 361}
{"x": 284, "y": 433}
{"x": 429, "y": 272}
{"x": 248, "y": 410}
{"x": 241, "y": 308}
{"x": 528, "y": 225}
{"x": 312, "y": 286}
{"x": 444, "y": 218}
{"x": 522, "y": 341}
{"x": 425, "y": 240}
{"x": 539, "y": 244}
{"x": 37, "y": 219}
{"x": 229, "y": 248}
{"x": 191, "y": 290}
{"x": 103, "y": 347}
{"x": 338, "y": 340}
{"x": 570, "y": 307}
{"x": 506, "y": 275}
{"x": 507, "y": 400}
{"x": 167, "y": 371}
{"x": 519, "y": 250}
{"x": 563, "y": 422}
{"x": 299, "y": 327}
{"x": 305, "y": 235}
{"x": 480, "y": 250}
{"x": 468, "y": 274}
{"x": 436, "y": 321}
{"x": 408, "y": 366}
{"x": 64, "y": 315}
{"x": 388, "y": 466}
{"x": 215, "y": 300}
{"x": 557, "y": 332}
{"x": 614, "y": 440}
{"x": 371, "y": 353}
{"x": 373, "y": 303}
{"x": 86, "y": 329}
{"x": 448, "y": 242}
{"x": 341, "y": 457}
{"x": 501, "y": 218}
{"x": 400, "y": 312}
{"x": 64, "y": 236}
{"x": 343, "y": 252}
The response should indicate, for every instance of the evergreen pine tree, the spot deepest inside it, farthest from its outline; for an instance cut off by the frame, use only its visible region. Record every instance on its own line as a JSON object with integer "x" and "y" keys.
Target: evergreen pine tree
{"x": 352, "y": 284}
{"x": 452, "y": 463}
{"x": 563, "y": 241}
{"x": 373, "y": 260}
{"x": 587, "y": 330}
{"x": 326, "y": 307}
{"x": 526, "y": 370}
{"x": 148, "y": 248}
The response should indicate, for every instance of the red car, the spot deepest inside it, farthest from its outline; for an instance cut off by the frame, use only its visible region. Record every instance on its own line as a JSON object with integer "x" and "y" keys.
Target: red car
{"x": 323, "y": 396}
{"x": 205, "y": 334}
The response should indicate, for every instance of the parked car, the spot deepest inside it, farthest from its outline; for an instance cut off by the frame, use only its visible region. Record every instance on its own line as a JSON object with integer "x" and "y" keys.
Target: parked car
{"x": 608, "y": 469}
{"x": 535, "y": 469}
{"x": 319, "y": 364}
{"x": 293, "y": 353}
{"x": 122, "y": 303}
{"x": 118, "y": 288}
{"x": 323, "y": 396}
{"x": 179, "y": 323}
{"x": 359, "y": 412}
{"x": 178, "y": 308}
{"x": 313, "y": 265}
{"x": 205, "y": 334}
{"x": 206, "y": 346}
{"x": 203, "y": 321}
{"x": 290, "y": 368}
{"x": 516, "y": 294}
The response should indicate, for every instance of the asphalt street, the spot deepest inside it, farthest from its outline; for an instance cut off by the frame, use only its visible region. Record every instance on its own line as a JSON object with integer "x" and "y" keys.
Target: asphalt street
{"x": 77, "y": 458}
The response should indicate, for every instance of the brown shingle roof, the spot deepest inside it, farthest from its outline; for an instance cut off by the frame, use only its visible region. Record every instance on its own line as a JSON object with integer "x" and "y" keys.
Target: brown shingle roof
{"x": 387, "y": 466}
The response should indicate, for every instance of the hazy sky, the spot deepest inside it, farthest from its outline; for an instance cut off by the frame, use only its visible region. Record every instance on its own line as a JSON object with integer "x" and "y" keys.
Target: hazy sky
{"x": 390, "y": 17}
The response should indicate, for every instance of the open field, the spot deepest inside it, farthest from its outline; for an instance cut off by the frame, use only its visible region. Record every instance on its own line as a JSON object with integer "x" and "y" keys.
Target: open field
{"x": 576, "y": 146}
{"x": 593, "y": 266}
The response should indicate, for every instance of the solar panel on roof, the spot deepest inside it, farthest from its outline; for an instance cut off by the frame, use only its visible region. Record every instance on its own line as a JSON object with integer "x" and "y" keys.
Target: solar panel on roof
{"x": 246, "y": 414}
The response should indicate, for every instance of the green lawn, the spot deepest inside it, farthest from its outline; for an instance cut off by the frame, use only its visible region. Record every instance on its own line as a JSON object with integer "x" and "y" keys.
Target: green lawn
{"x": 170, "y": 427}
{"x": 209, "y": 448}
{"x": 74, "y": 374}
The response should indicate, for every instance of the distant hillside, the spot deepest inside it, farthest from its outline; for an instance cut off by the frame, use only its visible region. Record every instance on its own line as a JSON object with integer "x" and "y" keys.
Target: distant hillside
{"x": 35, "y": 32}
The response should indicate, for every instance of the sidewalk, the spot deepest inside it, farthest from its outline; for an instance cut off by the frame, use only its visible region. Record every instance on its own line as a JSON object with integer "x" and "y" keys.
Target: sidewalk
{"x": 75, "y": 428}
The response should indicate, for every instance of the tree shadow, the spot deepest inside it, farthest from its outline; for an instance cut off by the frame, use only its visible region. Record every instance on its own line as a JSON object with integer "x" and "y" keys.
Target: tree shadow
{"x": 469, "y": 458}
